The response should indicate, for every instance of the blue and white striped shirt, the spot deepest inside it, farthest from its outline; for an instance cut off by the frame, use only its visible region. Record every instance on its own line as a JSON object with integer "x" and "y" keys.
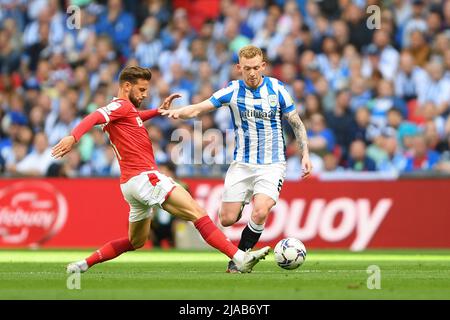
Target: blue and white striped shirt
{"x": 256, "y": 115}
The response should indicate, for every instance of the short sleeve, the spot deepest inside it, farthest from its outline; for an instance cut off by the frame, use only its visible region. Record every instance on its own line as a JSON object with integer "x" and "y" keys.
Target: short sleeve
{"x": 114, "y": 110}
{"x": 285, "y": 99}
{"x": 223, "y": 96}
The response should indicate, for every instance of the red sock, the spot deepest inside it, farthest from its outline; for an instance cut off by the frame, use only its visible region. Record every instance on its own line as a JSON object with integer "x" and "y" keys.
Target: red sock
{"x": 214, "y": 237}
{"x": 109, "y": 251}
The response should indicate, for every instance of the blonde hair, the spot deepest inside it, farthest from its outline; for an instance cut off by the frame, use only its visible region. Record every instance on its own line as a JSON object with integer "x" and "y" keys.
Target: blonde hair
{"x": 250, "y": 51}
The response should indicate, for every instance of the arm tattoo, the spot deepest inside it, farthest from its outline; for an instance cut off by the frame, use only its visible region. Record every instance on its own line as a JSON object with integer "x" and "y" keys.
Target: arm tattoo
{"x": 299, "y": 130}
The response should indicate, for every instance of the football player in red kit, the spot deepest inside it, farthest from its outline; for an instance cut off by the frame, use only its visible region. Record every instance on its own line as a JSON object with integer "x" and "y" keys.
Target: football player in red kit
{"x": 142, "y": 185}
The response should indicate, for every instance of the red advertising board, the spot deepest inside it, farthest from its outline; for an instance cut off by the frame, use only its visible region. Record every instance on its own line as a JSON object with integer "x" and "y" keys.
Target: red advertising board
{"x": 354, "y": 215}
{"x": 61, "y": 212}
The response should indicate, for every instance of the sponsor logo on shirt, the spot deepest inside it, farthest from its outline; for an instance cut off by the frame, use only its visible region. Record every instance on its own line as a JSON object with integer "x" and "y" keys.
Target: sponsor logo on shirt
{"x": 257, "y": 114}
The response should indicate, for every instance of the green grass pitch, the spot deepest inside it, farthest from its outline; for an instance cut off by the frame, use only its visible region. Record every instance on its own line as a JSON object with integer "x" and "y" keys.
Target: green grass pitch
{"x": 176, "y": 275}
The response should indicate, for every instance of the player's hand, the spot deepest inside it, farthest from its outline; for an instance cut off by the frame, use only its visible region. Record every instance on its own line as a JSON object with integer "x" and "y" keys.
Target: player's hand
{"x": 174, "y": 114}
{"x": 63, "y": 147}
{"x": 306, "y": 166}
{"x": 168, "y": 101}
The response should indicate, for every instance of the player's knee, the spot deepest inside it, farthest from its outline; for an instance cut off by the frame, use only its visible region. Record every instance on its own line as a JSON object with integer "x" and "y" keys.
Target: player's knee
{"x": 226, "y": 220}
{"x": 200, "y": 212}
{"x": 138, "y": 242}
{"x": 260, "y": 214}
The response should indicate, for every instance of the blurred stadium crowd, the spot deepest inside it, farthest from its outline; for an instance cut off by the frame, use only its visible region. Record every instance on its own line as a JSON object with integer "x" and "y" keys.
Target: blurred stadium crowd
{"x": 371, "y": 99}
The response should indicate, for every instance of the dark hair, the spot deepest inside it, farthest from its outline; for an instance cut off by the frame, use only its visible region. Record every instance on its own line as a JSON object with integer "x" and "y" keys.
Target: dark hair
{"x": 395, "y": 110}
{"x": 133, "y": 73}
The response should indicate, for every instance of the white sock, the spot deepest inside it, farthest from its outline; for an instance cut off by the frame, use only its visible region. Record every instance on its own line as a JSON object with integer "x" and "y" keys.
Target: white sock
{"x": 256, "y": 228}
{"x": 83, "y": 265}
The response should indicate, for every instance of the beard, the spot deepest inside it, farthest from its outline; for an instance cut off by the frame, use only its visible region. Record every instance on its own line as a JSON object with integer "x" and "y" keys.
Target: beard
{"x": 134, "y": 100}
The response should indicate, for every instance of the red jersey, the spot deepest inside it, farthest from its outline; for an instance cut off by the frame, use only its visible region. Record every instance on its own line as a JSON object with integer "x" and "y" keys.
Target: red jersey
{"x": 129, "y": 138}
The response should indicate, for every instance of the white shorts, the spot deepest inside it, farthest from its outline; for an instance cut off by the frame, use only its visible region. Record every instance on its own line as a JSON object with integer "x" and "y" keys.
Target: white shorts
{"x": 244, "y": 180}
{"x": 144, "y": 191}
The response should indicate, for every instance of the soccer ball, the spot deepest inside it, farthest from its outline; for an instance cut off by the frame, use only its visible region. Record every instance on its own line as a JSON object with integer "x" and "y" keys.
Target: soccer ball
{"x": 290, "y": 253}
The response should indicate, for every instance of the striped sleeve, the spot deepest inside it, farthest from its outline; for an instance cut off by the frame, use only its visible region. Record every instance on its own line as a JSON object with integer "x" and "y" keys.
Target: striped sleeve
{"x": 223, "y": 96}
{"x": 285, "y": 99}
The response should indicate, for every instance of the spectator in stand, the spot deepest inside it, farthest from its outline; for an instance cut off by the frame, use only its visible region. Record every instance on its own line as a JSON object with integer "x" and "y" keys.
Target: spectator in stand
{"x": 268, "y": 39}
{"x": 118, "y": 24}
{"x": 38, "y": 49}
{"x": 49, "y": 15}
{"x": 321, "y": 138}
{"x": 312, "y": 76}
{"x": 37, "y": 120}
{"x": 444, "y": 161}
{"x": 341, "y": 121}
{"x": 395, "y": 162}
{"x": 12, "y": 124}
{"x": 358, "y": 160}
{"x": 389, "y": 56}
{"x": 340, "y": 32}
{"x": 416, "y": 22}
{"x": 410, "y": 79}
{"x": 160, "y": 9}
{"x": 81, "y": 91}
{"x": 371, "y": 62}
{"x": 332, "y": 65}
{"x": 420, "y": 157}
{"x": 396, "y": 121}
{"x": 437, "y": 90}
{"x": 37, "y": 162}
{"x": 383, "y": 102}
{"x": 360, "y": 95}
{"x": 198, "y": 49}
{"x": 431, "y": 117}
{"x": 376, "y": 151}
{"x": 150, "y": 46}
{"x": 440, "y": 44}
{"x": 232, "y": 34}
{"x": 419, "y": 48}
{"x": 256, "y": 14}
{"x": 69, "y": 167}
{"x": 360, "y": 36}
{"x": 402, "y": 12}
{"x": 312, "y": 105}
{"x": 180, "y": 82}
{"x": 18, "y": 152}
{"x": 61, "y": 120}
{"x": 432, "y": 134}
{"x": 78, "y": 42}
{"x": 10, "y": 47}
{"x": 362, "y": 129}
{"x": 331, "y": 163}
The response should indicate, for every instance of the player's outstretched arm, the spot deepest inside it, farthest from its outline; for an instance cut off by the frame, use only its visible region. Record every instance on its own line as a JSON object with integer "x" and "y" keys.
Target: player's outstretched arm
{"x": 191, "y": 111}
{"x": 63, "y": 147}
{"x": 148, "y": 114}
{"x": 302, "y": 139}
{"x": 168, "y": 101}
{"x": 66, "y": 144}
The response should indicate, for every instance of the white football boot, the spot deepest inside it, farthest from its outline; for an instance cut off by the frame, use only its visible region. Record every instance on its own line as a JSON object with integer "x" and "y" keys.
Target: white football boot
{"x": 77, "y": 267}
{"x": 250, "y": 259}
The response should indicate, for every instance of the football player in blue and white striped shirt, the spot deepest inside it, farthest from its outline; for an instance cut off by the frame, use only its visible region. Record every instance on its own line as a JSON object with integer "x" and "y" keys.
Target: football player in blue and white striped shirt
{"x": 257, "y": 104}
